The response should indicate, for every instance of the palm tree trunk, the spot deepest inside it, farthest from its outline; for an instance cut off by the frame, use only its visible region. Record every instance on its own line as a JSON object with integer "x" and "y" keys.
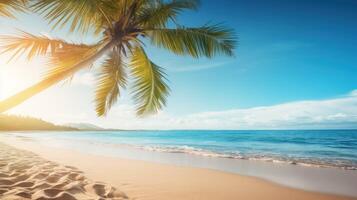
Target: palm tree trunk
{"x": 22, "y": 96}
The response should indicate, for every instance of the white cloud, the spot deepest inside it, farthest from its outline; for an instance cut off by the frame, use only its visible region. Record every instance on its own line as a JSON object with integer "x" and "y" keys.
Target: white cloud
{"x": 314, "y": 114}
{"x": 353, "y": 93}
{"x": 332, "y": 113}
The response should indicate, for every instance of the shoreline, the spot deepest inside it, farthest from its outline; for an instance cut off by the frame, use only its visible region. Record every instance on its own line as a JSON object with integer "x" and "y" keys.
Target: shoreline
{"x": 154, "y": 180}
{"x": 325, "y": 180}
{"x": 315, "y": 162}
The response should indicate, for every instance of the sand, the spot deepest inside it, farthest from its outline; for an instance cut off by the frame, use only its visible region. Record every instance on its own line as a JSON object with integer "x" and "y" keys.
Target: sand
{"x": 26, "y": 174}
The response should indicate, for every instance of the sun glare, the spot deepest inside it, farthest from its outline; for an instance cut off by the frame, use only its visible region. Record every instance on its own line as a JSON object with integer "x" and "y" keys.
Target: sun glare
{"x": 17, "y": 76}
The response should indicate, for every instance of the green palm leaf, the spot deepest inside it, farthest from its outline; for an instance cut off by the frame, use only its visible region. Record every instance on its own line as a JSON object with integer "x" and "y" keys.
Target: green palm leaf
{"x": 82, "y": 15}
{"x": 112, "y": 76}
{"x": 158, "y": 14}
{"x": 150, "y": 89}
{"x": 203, "y": 41}
{"x": 62, "y": 55}
{"x": 26, "y": 43}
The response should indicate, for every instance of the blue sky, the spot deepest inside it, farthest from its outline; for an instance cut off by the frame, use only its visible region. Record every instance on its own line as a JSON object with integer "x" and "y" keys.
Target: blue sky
{"x": 289, "y": 51}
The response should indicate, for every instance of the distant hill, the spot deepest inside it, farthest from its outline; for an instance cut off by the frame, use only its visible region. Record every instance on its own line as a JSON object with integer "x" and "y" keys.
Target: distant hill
{"x": 18, "y": 123}
{"x": 84, "y": 126}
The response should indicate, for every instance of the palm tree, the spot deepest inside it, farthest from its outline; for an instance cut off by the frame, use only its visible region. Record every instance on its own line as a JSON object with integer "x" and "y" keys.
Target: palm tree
{"x": 122, "y": 28}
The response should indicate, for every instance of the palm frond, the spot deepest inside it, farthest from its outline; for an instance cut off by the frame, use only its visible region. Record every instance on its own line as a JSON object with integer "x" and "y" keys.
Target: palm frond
{"x": 150, "y": 89}
{"x": 202, "y": 41}
{"x": 29, "y": 45}
{"x": 8, "y": 7}
{"x": 82, "y": 15}
{"x": 158, "y": 14}
{"x": 68, "y": 56}
{"x": 126, "y": 7}
{"x": 111, "y": 78}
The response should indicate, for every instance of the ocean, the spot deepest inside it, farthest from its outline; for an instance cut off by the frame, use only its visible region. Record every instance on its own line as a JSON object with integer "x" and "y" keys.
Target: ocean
{"x": 314, "y": 148}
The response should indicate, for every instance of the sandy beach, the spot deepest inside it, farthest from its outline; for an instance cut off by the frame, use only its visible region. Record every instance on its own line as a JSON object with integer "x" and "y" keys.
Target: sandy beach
{"x": 38, "y": 172}
{"x": 25, "y": 175}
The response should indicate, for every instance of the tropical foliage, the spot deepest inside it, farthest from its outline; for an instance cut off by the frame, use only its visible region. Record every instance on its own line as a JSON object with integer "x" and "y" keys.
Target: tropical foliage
{"x": 123, "y": 28}
{"x": 9, "y": 7}
{"x": 20, "y": 123}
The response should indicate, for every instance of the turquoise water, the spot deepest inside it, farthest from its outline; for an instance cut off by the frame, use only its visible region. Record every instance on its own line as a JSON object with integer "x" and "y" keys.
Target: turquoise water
{"x": 319, "y": 148}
